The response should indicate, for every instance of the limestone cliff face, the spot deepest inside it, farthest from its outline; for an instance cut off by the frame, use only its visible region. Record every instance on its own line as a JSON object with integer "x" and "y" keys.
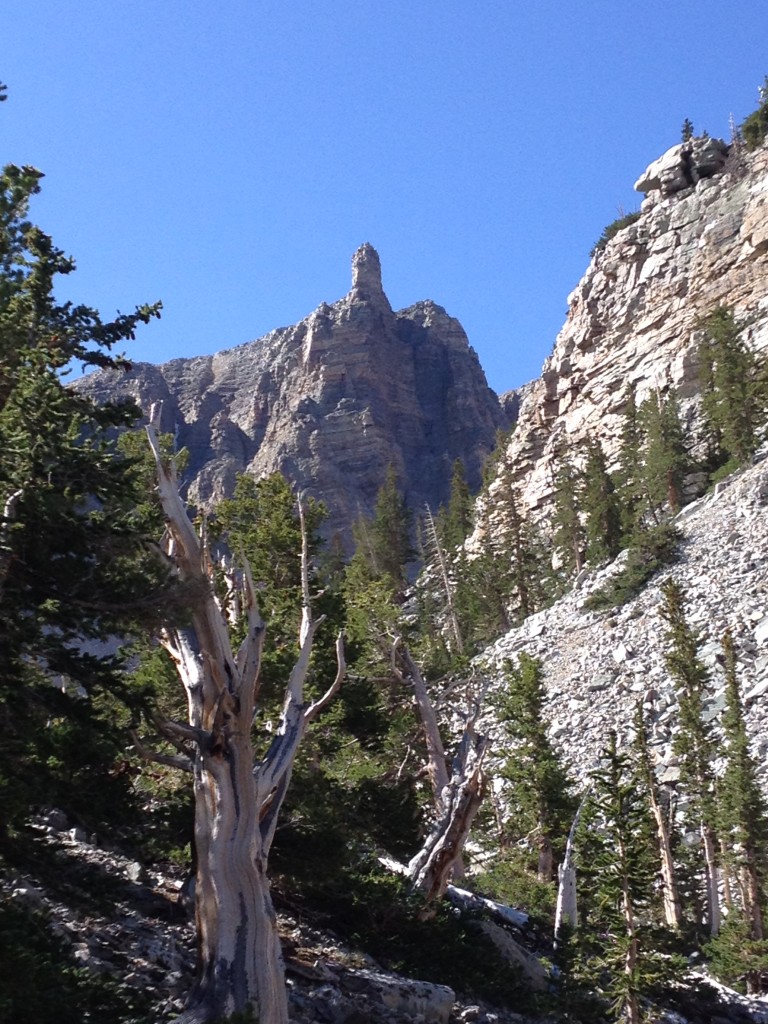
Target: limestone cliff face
{"x": 329, "y": 402}
{"x": 701, "y": 240}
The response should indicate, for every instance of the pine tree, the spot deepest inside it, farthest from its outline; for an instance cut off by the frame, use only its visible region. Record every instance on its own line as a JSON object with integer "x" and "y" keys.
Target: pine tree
{"x": 671, "y": 899}
{"x": 617, "y": 870}
{"x": 601, "y": 507}
{"x": 76, "y": 559}
{"x": 538, "y": 791}
{"x": 630, "y": 486}
{"x": 384, "y": 541}
{"x": 454, "y": 523}
{"x": 686, "y": 133}
{"x": 568, "y": 538}
{"x": 664, "y": 454}
{"x": 732, "y": 400}
{"x": 693, "y": 743}
{"x": 741, "y": 950}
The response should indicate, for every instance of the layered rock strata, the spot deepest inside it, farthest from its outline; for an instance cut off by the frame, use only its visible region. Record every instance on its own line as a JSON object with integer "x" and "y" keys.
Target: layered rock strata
{"x": 701, "y": 240}
{"x": 330, "y": 402}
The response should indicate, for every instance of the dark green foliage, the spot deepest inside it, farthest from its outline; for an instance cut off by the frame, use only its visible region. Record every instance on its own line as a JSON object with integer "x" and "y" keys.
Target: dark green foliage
{"x": 733, "y": 395}
{"x": 620, "y": 953}
{"x": 742, "y": 811}
{"x": 755, "y": 127}
{"x": 686, "y": 133}
{"x": 568, "y": 538}
{"x": 694, "y": 743}
{"x": 379, "y": 913}
{"x": 538, "y": 793}
{"x": 454, "y": 523}
{"x": 612, "y": 229}
{"x": 510, "y": 880}
{"x": 40, "y": 983}
{"x": 629, "y": 478}
{"x": 741, "y": 951}
{"x": 653, "y": 549}
{"x": 76, "y": 555}
{"x": 736, "y": 958}
{"x": 665, "y": 460}
{"x": 261, "y": 524}
{"x": 384, "y": 542}
{"x": 601, "y": 507}
{"x": 483, "y": 593}
{"x": 523, "y": 550}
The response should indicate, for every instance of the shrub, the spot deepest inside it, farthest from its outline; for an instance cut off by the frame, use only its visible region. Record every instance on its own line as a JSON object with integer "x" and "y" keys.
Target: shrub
{"x": 613, "y": 229}
{"x": 653, "y": 549}
{"x": 755, "y": 127}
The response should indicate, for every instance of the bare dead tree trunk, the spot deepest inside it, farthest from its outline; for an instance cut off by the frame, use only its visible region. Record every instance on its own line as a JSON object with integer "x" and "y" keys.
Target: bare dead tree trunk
{"x": 433, "y": 866}
{"x": 710, "y": 860}
{"x": 673, "y": 914}
{"x": 457, "y": 796}
{"x": 566, "y": 910}
{"x": 6, "y": 553}
{"x": 437, "y": 766}
{"x": 237, "y": 799}
{"x": 445, "y": 578}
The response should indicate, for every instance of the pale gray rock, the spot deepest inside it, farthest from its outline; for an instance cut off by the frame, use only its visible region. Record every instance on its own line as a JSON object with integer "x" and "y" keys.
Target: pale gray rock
{"x": 590, "y": 690}
{"x": 632, "y": 320}
{"x": 330, "y": 402}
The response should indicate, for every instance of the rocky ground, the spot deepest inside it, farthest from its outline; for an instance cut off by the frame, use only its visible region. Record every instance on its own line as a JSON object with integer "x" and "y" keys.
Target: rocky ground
{"x": 131, "y": 922}
{"x": 597, "y": 665}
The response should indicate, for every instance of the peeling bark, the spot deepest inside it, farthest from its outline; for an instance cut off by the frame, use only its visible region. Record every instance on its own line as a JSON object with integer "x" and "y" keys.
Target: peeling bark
{"x": 237, "y": 799}
{"x": 566, "y": 911}
{"x": 457, "y": 796}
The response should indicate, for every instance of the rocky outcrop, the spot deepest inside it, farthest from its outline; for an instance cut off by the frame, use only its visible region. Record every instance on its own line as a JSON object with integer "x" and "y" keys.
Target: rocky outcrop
{"x": 597, "y": 665}
{"x": 330, "y": 402}
{"x": 701, "y": 240}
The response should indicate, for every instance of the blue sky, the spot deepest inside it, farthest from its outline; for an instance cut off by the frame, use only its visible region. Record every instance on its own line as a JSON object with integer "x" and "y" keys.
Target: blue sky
{"x": 229, "y": 158}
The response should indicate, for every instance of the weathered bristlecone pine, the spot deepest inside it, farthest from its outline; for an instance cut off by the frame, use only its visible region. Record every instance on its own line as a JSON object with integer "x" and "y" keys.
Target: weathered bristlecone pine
{"x": 355, "y": 387}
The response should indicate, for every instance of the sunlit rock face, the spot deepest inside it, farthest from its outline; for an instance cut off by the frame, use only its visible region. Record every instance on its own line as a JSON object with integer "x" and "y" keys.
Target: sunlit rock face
{"x": 701, "y": 240}
{"x": 330, "y": 402}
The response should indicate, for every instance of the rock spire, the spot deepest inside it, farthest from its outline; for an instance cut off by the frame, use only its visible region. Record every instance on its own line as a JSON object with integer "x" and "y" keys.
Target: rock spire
{"x": 366, "y": 274}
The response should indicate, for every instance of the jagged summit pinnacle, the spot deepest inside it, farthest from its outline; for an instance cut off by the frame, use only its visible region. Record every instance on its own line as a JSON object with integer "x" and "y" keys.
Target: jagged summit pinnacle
{"x": 366, "y": 273}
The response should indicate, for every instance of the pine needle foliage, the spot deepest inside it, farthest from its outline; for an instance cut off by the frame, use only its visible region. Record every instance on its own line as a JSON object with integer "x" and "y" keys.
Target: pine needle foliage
{"x": 733, "y": 395}
{"x": 740, "y": 953}
{"x": 538, "y": 792}
{"x": 754, "y": 129}
{"x": 619, "y": 948}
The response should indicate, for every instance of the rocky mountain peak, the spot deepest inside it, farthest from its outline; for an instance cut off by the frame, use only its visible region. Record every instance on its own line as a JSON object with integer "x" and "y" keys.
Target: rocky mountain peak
{"x": 366, "y": 275}
{"x": 330, "y": 402}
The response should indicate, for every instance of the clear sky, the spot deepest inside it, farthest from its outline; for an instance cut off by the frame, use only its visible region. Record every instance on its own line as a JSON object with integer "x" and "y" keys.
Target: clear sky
{"x": 229, "y": 157}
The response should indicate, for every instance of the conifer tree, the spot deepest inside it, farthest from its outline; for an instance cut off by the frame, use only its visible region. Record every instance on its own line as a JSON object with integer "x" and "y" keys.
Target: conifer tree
{"x": 671, "y": 899}
{"x": 76, "y": 559}
{"x": 454, "y": 523}
{"x": 539, "y": 792}
{"x": 664, "y": 454}
{"x": 617, "y": 871}
{"x": 693, "y": 743}
{"x": 568, "y": 538}
{"x": 602, "y": 526}
{"x": 384, "y": 541}
{"x": 741, "y": 949}
{"x": 733, "y": 401}
{"x": 630, "y": 486}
